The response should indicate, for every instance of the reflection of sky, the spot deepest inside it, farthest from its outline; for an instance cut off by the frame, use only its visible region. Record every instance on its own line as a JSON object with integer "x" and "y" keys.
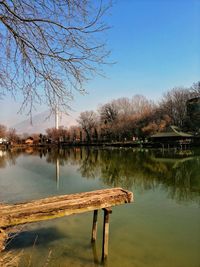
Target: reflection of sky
{"x": 32, "y": 177}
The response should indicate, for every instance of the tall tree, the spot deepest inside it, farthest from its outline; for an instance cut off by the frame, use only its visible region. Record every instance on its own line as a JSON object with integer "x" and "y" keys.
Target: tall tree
{"x": 141, "y": 105}
{"x": 49, "y": 48}
{"x": 174, "y": 104}
{"x": 108, "y": 112}
{"x": 12, "y": 135}
{"x": 88, "y": 120}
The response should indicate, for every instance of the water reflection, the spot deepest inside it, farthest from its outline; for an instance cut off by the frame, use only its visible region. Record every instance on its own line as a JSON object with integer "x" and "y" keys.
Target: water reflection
{"x": 177, "y": 172}
{"x": 57, "y": 172}
{"x": 154, "y": 231}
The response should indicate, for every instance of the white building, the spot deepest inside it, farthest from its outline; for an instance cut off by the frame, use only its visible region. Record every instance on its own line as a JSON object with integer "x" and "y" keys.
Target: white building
{"x": 3, "y": 140}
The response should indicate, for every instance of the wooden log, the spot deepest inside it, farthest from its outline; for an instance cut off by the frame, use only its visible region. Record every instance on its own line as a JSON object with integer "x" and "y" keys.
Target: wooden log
{"x": 107, "y": 212}
{"x": 94, "y": 226}
{"x": 58, "y": 206}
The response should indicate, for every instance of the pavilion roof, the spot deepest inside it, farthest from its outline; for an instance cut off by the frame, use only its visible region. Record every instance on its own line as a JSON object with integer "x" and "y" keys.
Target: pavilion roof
{"x": 173, "y": 131}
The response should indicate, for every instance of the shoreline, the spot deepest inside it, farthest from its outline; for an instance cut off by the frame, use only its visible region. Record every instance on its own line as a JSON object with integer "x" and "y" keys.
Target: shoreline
{"x": 150, "y": 145}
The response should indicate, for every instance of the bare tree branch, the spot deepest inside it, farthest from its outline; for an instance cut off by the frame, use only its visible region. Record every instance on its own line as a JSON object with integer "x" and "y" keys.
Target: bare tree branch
{"x": 50, "y": 48}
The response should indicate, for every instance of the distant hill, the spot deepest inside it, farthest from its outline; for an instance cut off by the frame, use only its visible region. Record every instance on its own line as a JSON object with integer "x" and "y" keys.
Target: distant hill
{"x": 42, "y": 121}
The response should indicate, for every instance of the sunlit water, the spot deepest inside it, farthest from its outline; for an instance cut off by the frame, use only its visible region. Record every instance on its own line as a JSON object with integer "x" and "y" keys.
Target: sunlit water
{"x": 160, "y": 229}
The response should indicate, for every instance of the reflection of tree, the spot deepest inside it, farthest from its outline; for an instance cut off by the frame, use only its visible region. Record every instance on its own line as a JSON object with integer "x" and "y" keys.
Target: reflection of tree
{"x": 55, "y": 154}
{"x": 66, "y": 156}
{"x": 184, "y": 179}
{"x": 2, "y": 161}
{"x": 90, "y": 165}
{"x": 127, "y": 168}
{"x": 114, "y": 171}
{"x": 9, "y": 157}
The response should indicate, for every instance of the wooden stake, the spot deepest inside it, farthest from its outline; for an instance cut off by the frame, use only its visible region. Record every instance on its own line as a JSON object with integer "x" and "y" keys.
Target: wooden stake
{"x": 107, "y": 212}
{"x": 94, "y": 226}
{"x": 94, "y": 251}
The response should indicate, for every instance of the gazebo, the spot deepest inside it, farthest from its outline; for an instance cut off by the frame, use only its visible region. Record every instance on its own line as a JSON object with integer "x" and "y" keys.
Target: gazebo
{"x": 172, "y": 136}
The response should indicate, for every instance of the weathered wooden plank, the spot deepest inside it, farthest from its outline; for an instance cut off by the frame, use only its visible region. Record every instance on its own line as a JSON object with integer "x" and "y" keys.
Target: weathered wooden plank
{"x": 58, "y": 206}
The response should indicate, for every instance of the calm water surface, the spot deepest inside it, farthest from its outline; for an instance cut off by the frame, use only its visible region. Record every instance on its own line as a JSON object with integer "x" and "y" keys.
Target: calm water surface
{"x": 160, "y": 229}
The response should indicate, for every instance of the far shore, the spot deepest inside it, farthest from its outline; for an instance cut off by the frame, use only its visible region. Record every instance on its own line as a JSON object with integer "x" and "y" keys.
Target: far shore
{"x": 141, "y": 144}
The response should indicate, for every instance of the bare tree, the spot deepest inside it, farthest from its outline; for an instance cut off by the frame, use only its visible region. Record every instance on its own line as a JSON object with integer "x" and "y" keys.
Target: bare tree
{"x": 74, "y": 133}
{"x": 195, "y": 89}
{"x": 174, "y": 104}
{"x": 12, "y": 135}
{"x": 57, "y": 135}
{"x": 141, "y": 105}
{"x": 108, "y": 112}
{"x": 123, "y": 106}
{"x": 88, "y": 120}
{"x": 2, "y": 131}
{"x": 49, "y": 48}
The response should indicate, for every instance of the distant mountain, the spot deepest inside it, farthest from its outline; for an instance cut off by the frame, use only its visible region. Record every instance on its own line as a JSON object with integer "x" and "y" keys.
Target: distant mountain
{"x": 42, "y": 121}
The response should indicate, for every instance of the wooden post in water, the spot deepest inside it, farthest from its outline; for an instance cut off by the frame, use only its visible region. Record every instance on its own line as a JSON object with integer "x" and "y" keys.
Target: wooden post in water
{"x": 94, "y": 226}
{"x": 107, "y": 212}
{"x": 94, "y": 251}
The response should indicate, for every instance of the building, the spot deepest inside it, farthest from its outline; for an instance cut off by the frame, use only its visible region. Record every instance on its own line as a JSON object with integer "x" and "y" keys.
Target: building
{"x": 172, "y": 137}
{"x": 29, "y": 141}
{"x": 3, "y": 141}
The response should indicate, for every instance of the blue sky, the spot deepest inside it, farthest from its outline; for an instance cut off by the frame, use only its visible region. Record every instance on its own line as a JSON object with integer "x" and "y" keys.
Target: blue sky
{"x": 156, "y": 46}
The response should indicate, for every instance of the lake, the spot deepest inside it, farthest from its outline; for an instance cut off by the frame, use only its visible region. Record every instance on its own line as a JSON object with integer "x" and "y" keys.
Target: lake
{"x": 161, "y": 228}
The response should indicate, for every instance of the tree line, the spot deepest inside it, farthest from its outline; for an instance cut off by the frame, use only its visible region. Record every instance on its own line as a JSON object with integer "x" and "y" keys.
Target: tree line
{"x": 126, "y": 119}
